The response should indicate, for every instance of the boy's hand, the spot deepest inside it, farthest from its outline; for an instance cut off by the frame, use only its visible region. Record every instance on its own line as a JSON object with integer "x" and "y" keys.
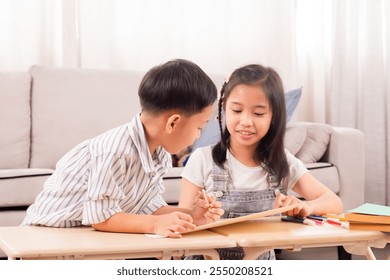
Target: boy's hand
{"x": 302, "y": 208}
{"x": 206, "y": 209}
{"x": 173, "y": 224}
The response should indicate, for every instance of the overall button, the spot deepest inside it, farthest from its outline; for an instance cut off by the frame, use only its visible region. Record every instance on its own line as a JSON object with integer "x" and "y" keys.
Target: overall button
{"x": 218, "y": 193}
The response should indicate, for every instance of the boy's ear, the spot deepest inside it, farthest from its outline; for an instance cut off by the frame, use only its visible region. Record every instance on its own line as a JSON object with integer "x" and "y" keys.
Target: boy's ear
{"x": 172, "y": 122}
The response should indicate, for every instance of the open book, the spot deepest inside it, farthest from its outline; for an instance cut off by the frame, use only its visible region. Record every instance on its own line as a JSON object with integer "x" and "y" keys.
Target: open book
{"x": 253, "y": 216}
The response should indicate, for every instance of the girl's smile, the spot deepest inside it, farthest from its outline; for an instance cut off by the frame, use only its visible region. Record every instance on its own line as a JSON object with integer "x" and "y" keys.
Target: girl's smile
{"x": 245, "y": 134}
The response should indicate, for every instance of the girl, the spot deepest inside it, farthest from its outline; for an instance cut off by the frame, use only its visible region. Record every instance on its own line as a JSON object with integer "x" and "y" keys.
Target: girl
{"x": 249, "y": 170}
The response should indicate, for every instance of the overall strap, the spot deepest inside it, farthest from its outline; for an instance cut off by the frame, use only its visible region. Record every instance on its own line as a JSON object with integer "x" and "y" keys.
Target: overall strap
{"x": 220, "y": 180}
{"x": 272, "y": 182}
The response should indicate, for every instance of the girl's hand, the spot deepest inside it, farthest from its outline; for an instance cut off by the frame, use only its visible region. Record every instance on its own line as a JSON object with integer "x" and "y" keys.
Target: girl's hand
{"x": 206, "y": 209}
{"x": 173, "y": 224}
{"x": 302, "y": 208}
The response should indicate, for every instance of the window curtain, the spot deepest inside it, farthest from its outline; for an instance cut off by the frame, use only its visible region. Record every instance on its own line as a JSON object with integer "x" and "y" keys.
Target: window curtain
{"x": 338, "y": 50}
{"x": 29, "y": 33}
{"x": 360, "y": 87}
{"x": 343, "y": 49}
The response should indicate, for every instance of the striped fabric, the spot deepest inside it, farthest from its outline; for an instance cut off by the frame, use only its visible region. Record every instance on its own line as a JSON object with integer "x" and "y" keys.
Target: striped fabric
{"x": 111, "y": 173}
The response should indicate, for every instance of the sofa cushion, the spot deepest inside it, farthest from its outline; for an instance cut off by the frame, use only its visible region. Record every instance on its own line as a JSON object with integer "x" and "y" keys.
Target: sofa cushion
{"x": 316, "y": 142}
{"x": 292, "y": 98}
{"x": 15, "y": 120}
{"x": 294, "y": 138}
{"x": 11, "y": 218}
{"x": 72, "y": 105}
{"x": 19, "y": 187}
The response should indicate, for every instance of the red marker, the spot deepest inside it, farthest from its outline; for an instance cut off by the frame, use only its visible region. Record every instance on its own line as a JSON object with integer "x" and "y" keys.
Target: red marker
{"x": 337, "y": 223}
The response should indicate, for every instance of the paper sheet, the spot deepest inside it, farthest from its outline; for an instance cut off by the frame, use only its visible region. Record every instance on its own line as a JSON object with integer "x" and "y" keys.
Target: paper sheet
{"x": 372, "y": 209}
{"x": 245, "y": 218}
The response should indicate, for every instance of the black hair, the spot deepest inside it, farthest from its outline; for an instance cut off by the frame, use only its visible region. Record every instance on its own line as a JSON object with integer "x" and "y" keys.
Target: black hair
{"x": 176, "y": 85}
{"x": 270, "y": 149}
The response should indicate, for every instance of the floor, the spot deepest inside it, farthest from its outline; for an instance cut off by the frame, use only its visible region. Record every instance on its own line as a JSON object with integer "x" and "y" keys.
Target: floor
{"x": 329, "y": 253}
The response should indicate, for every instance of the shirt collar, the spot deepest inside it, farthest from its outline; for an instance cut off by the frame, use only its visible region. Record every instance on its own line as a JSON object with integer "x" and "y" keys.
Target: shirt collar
{"x": 149, "y": 163}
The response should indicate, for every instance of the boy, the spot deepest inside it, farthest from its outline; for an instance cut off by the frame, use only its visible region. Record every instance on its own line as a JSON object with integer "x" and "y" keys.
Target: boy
{"x": 112, "y": 182}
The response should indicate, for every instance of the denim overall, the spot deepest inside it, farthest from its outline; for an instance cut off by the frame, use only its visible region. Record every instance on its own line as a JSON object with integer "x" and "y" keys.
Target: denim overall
{"x": 240, "y": 203}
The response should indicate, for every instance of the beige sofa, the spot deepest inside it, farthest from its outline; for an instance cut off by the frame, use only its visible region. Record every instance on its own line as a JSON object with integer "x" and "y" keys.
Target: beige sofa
{"x": 46, "y": 111}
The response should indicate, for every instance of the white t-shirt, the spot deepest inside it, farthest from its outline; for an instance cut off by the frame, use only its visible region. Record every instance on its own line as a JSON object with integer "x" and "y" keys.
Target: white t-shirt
{"x": 198, "y": 171}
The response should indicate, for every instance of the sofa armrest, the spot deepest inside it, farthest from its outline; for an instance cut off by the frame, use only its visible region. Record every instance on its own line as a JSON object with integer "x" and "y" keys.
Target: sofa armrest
{"x": 346, "y": 151}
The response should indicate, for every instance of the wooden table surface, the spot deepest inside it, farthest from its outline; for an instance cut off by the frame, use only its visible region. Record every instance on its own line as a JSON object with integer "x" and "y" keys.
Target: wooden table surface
{"x": 86, "y": 243}
{"x": 269, "y": 233}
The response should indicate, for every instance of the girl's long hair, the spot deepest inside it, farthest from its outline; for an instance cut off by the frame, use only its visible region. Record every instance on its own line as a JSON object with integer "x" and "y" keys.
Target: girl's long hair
{"x": 270, "y": 149}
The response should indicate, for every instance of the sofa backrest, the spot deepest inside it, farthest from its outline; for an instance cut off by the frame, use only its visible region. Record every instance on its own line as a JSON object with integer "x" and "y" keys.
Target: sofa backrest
{"x": 69, "y": 106}
{"x": 14, "y": 120}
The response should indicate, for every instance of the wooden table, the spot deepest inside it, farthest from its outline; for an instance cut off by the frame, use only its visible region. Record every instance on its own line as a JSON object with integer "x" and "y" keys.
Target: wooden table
{"x": 34, "y": 242}
{"x": 270, "y": 233}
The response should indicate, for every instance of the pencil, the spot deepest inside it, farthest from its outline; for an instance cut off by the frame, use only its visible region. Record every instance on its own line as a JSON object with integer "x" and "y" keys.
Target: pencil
{"x": 206, "y": 199}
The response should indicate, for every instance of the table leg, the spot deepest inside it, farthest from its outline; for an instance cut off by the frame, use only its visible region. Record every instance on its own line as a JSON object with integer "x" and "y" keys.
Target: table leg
{"x": 370, "y": 255}
{"x": 360, "y": 249}
{"x": 252, "y": 253}
{"x": 342, "y": 254}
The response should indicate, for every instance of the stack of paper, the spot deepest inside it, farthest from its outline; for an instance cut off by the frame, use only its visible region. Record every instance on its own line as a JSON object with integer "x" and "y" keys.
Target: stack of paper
{"x": 369, "y": 217}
